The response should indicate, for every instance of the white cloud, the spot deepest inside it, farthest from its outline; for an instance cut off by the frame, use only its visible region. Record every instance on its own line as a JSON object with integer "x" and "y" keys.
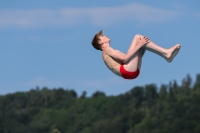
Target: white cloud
{"x": 97, "y": 16}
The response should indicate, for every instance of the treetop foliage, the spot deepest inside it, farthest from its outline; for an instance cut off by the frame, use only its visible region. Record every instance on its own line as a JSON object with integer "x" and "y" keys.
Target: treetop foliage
{"x": 169, "y": 108}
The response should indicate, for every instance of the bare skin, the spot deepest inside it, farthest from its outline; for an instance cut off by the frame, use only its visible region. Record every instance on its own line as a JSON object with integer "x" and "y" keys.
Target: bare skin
{"x": 132, "y": 60}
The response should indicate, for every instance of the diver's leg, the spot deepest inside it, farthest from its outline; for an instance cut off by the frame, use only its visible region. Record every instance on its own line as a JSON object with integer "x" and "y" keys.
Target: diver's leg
{"x": 167, "y": 54}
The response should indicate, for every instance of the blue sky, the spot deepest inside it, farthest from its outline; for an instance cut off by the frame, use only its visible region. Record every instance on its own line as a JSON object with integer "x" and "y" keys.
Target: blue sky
{"x": 48, "y": 43}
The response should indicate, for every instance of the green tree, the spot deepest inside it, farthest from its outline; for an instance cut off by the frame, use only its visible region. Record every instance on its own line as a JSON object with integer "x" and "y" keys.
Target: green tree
{"x": 186, "y": 84}
{"x": 98, "y": 94}
{"x": 163, "y": 91}
{"x": 197, "y": 82}
{"x": 55, "y": 131}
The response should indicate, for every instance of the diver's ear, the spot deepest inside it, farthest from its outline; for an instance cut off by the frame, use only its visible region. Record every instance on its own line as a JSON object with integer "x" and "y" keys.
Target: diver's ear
{"x": 100, "y": 42}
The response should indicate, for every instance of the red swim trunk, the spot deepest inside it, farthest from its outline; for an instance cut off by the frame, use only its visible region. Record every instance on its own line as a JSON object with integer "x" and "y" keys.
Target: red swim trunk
{"x": 129, "y": 75}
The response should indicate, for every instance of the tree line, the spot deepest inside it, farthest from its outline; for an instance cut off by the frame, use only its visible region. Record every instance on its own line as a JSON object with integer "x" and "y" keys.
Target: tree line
{"x": 170, "y": 108}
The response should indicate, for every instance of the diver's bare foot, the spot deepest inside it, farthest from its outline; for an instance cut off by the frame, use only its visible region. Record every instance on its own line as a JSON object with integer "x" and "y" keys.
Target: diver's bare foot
{"x": 173, "y": 51}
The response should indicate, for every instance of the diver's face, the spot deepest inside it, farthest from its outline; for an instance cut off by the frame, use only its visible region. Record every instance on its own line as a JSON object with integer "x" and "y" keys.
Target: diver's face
{"x": 104, "y": 39}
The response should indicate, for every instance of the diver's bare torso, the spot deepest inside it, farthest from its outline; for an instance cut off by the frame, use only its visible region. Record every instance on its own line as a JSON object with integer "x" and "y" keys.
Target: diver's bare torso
{"x": 111, "y": 63}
